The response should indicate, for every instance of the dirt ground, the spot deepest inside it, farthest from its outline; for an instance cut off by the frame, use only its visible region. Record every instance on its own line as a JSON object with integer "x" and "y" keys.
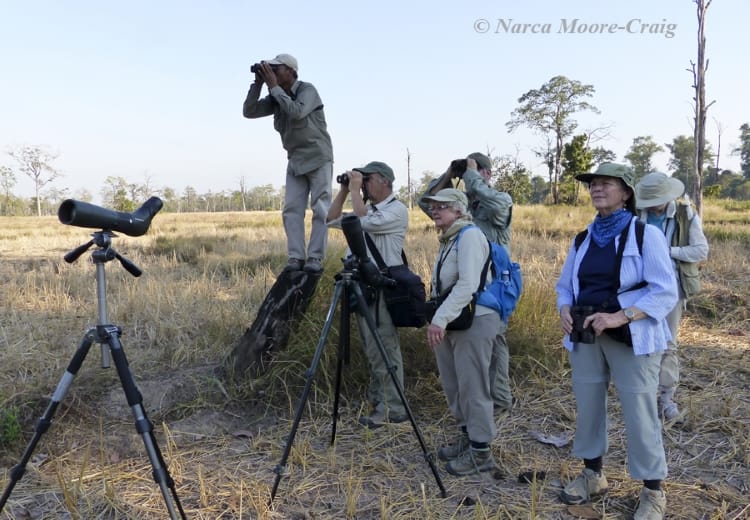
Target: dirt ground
{"x": 223, "y": 454}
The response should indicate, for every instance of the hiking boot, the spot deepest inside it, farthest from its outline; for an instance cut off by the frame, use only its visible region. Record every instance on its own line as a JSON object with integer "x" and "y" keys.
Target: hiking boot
{"x": 587, "y": 485}
{"x": 380, "y": 418}
{"x": 313, "y": 266}
{"x": 652, "y": 505}
{"x": 471, "y": 462}
{"x": 454, "y": 450}
{"x": 670, "y": 412}
{"x": 294, "y": 264}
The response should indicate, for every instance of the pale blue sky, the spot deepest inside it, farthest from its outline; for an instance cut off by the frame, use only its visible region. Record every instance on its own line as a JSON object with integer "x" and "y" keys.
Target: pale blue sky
{"x": 156, "y": 87}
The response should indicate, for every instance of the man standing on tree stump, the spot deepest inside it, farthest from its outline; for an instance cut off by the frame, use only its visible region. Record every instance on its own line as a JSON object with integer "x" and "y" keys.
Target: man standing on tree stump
{"x": 298, "y": 116}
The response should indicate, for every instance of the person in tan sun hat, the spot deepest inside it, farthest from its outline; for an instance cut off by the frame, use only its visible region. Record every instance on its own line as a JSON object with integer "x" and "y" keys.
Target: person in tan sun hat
{"x": 659, "y": 204}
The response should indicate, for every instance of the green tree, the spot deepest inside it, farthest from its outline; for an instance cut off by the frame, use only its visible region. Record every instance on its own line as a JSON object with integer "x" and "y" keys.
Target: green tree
{"x": 539, "y": 190}
{"x": 743, "y": 150}
{"x": 577, "y": 159}
{"x": 511, "y": 176}
{"x": 549, "y": 111}
{"x": 36, "y": 163}
{"x": 116, "y": 194}
{"x": 601, "y": 155}
{"x": 640, "y": 154}
{"x": 7, "y": 182}
{"x": 682, "y": 149}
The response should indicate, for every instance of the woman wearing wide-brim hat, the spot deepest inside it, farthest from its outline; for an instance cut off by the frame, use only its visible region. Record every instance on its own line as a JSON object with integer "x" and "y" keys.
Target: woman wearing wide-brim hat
{"x": 658, "y": 201}
{"x": 619, "y": 283}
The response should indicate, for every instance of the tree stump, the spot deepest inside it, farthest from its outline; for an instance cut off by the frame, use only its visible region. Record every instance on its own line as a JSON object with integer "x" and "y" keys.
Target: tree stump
{"x": 287, "y": 300}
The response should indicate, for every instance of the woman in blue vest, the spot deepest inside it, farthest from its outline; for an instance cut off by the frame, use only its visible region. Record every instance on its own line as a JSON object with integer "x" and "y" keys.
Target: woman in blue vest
{"x": 617, "y": 293}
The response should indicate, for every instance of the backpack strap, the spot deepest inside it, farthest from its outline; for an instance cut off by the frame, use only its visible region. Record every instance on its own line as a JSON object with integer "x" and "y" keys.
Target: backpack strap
{"x": 483, "y": 276}
{"x": 640, "y": 228}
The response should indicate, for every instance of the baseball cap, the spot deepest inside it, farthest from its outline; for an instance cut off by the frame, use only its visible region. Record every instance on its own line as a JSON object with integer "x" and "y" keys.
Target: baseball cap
{"x": 284, "y": 59}
{"x": 449, "y": 195}
{"x": 482, "y": 160}
{"x": 377, "y": 167}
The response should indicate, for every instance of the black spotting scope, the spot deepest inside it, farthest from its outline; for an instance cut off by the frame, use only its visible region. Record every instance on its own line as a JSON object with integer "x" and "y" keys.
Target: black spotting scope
{"x": 82, "y": 214}
{"x": 355, "y": 239}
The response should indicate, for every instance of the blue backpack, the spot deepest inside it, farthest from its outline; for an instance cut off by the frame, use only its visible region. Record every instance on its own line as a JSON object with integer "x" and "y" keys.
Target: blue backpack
{"x": 503, "y": 292}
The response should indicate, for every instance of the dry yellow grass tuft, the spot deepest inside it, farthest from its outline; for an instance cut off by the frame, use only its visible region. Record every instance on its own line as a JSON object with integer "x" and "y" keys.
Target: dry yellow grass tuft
{"x": 204, "y": 279}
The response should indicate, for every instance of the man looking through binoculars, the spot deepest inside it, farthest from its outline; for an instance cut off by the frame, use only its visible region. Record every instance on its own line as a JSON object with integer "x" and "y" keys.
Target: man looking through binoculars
{"x": 298, "y": 116}
{"x": 385, "y": 220}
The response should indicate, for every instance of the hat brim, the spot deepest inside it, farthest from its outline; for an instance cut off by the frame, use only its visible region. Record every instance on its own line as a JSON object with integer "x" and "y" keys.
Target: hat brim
{"x": 588, "y": 177}
{"x": 436, "y": 198}
{"x": 675, "y": 189}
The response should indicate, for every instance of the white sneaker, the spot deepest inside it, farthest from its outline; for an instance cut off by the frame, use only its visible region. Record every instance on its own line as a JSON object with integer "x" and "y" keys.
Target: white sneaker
{"x": 587, "y": 485}
{"x": 652, "y": 505}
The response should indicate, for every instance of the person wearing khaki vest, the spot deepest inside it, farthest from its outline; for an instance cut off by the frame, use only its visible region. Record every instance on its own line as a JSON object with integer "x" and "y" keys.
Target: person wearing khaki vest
{"x": 658, "y": 199}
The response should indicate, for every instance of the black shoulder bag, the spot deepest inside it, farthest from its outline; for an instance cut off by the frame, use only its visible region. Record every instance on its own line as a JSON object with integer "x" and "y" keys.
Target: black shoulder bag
{"x": 406, "y": 300}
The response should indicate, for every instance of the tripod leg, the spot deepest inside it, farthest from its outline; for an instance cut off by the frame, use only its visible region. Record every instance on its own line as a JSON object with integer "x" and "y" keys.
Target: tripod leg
{"x": 309, "y": 376}
{"x": 343, "y": 355}
{"x": 142, "y": 423}
{"x": 45, "y": 420}
{"x": 364, "y": 311}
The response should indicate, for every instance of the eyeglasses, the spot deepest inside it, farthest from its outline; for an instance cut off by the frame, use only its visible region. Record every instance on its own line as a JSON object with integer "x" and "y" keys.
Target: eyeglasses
{"x": 439, "y": 207}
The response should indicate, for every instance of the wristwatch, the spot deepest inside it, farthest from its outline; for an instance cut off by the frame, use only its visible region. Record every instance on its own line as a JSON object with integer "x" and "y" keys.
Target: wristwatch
{"x": 629, "y": 314}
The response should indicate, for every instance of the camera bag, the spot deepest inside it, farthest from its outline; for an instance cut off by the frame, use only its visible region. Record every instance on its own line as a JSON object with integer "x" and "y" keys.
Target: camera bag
{"x": 406, "y": 300}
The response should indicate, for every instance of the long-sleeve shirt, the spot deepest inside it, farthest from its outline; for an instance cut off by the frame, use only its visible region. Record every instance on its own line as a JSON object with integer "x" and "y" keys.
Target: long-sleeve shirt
{"x": 490, "y": 209}
{"x": 299, "y": 119}
{"x": 656, "y": 299}
{"x": 460, "y": 270}
{"x": 697, "y": 248}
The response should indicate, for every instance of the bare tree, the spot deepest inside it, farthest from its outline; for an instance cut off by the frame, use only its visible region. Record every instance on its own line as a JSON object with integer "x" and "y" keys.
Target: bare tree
{"x": 699, "y": 85}
{"x": 36, "y": 163}
{"x": 243, "y": 192}
{"x": 719, "y": 131}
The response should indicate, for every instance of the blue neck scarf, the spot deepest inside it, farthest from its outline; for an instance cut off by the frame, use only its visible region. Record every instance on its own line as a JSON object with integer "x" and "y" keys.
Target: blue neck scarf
{"x": 607, "y": 228}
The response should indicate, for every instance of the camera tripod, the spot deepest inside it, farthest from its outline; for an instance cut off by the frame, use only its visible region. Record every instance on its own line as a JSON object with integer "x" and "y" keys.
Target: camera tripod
{"x": 108, "y": 336}
{"x": 346, "y": 286}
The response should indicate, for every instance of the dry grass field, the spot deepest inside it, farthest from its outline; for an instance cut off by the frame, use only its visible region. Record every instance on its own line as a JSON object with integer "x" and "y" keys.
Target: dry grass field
{"x": 204, "y": 277}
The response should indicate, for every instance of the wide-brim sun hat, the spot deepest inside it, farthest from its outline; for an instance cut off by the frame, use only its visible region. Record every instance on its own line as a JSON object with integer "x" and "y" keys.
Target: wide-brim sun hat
{"x": 617, "y": 171}
{"x": 656, "y": 189}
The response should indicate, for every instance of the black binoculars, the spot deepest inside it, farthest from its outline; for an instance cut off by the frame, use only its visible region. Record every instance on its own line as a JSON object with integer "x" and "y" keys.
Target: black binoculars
{"x": 579, "y": 334}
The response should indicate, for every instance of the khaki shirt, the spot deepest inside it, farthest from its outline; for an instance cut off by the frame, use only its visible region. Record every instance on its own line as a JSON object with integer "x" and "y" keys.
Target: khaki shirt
{"x": 300, "y": 120}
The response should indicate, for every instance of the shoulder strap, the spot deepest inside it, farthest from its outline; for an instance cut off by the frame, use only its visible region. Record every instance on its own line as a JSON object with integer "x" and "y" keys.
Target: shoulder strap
{"x": 640, "y": 228}
{"x": 580, "y": 237}
{"x": 483, "y": 276}
{"x": 376, "y": 254}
